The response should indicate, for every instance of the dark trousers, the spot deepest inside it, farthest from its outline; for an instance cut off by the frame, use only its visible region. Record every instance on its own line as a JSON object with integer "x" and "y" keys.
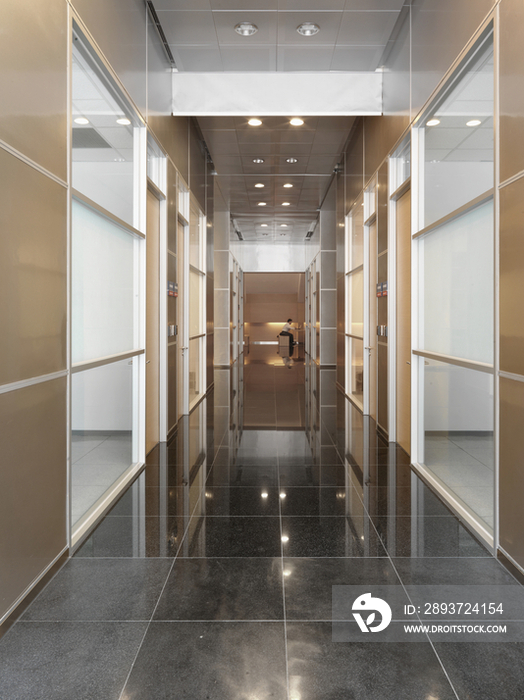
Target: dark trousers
{"x": 290, "y": 338}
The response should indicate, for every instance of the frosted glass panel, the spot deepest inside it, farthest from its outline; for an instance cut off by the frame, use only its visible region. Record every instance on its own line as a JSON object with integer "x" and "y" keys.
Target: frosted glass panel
{"x": 458, "y": 433}
{"x": 356, "y": 236}
{"x": 356, "y": 303}
{"x": 355, "y": 350}
{"x": 195, "y": 307}
{"x": 102, "y": 444}
{"x": 103, "y": 286}
{"x": 456, "y": 287}
{"x": 458, "y": 142}
{"x": 195, "y": 352}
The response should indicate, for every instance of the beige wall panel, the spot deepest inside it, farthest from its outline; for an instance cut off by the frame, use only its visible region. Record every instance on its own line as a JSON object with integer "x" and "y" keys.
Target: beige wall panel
{"x": 380, "y": 135}
{"x": 511, "y": 93}
{"x": 32, "y": 272}
{"x": 33, "y": 81}
{"x": 511, "y": 477}
{"x": 441, "y": 29}
{"x": 354, "y": 173}
{"x": 272, "y": 312}
{"x": 512, "y": 277}
{"x": 33, "y": 473}
{"x": 119, "y": 29}
{"x": 197, "y": 165}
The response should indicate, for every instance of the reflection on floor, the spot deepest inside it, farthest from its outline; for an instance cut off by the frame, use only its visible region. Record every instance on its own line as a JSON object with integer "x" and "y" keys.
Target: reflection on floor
{"x": 212, "y": 576}
{"x": 465, "y": 463}
{"x": 97, "y": 459}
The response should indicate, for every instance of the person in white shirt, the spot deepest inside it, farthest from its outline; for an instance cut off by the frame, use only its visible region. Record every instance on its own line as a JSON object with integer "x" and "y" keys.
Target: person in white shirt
{"x": 286, "y": 330}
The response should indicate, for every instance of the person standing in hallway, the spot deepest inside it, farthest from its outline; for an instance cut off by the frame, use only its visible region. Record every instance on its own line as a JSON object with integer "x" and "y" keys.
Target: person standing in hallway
{"x": 286, "y": 330}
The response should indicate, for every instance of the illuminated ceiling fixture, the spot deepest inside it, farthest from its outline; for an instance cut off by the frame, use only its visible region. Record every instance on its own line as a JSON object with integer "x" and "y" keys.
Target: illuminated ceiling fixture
{"x": 254, "y": 122}
{"x": 283, "y": 225}
{"x": 308, "y": 29}
{"x": 286, "y": 204}
{"x": 296, "y": 121}
{"x": 246, "y": 28}
{"x": 264, "y": 225}
{"x": 258, "y": 160}
{"x": 262, "y": 204}
{"x": 81, "y": 120}
{"x": 124, "y": 121}
{"x": 474, "y": 122}
{"x": 433, "y": 122}
{"x": 291, "y": 160}
{"x": 288, "y": 184}
{"x": 260, "y": 184}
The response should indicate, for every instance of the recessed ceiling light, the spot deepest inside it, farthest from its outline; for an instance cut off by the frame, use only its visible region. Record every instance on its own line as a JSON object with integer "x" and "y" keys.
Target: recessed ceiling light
{"x": 81, "y": 120}
{"x": 296, "y": 121}
{"x": 291, "y": 160}
{"x": 308, "y": 29}
{"x": 283, "y": 225}
{"x": 473, "y": 122}
{"x": 246, "y": 28}
{"x": 124, "y": 121}
{"x": 433, "y": 122}
{"x": 288, "y": 184}
{"x": 264, "y": 225}
{"x": 258, "y": 160}
{"x": 255, "y": 122}
{"x": 286, "y": 204}
{"x": 262, "y": 204}
{"x": 260, "y": 184}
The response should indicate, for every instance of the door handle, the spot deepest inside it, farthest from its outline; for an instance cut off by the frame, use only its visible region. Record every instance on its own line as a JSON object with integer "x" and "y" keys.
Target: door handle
{"x": 148, "y": 362}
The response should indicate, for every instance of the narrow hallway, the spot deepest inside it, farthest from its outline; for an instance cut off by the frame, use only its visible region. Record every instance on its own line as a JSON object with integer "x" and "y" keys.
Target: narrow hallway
{"x": 212, "y": 576}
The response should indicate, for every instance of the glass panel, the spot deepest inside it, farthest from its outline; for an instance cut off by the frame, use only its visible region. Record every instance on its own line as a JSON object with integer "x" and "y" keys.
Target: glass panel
{"x": 103, "y": 140}
{"x": 456, "y": 287}
{"x": 104, "y": 304}
{"x": 195, "y": 351}
{"x": 195, "y": 239}
{"x": 401, "y": 170}
{"x": 356, "y": 232}
{"x": 195, "y": 308}
{"x": 102, "y": 431}
{"x": 356, "y": 303}
{"x": 458, "y": 149}
{"x": 458, "y": 429}
{"x": 155, "y": 164}
{"x": 356, "y": 368}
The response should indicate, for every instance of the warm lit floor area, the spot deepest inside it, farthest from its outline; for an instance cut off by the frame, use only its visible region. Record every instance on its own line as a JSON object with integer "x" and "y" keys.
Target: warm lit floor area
{"x": 212, "y": 576}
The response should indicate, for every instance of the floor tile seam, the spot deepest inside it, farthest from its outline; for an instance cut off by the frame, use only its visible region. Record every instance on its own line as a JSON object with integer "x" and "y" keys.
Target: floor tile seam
{"x": 121, "y": 695}
{"x": 286, "y": 654}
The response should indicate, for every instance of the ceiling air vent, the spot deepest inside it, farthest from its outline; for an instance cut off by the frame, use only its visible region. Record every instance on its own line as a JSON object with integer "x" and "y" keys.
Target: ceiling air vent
{"x": 88, "y": 138}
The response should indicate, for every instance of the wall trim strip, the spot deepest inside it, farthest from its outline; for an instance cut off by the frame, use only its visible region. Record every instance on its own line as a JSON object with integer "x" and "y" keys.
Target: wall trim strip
{"x": 24, "y": 383}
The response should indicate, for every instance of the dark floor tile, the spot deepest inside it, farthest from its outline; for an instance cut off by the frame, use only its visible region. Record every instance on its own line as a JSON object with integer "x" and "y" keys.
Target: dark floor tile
{"x": 384, "y": 500}
{"x": 308, "y": 582}
{"x": 242, "y": 501}
{"x": 223, "y": 589}
{"x": 135, "y": 537}
{"x": 322, "y": 500}
{"x": 320, "y": 668}
{"x": 223, "y": 536}
{"x": 428, "y": 537}
{"x": 242, "y": 475}
{"x": 484, "y": 671}
{"x": 327, "y": 536}
{"x": 102, "y": 589}
{"x": 300, "y": 475}
{"x": 485, "y": 571}
{"x": 65, "y": 660}
{"x": 151, "y": 500}
{"x": 218, "y": 660}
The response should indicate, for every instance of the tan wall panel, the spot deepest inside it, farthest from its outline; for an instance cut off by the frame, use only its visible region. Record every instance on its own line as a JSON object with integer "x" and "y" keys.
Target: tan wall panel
{"x": 32, "y": 272}
{"x": 380, "y": 135}
{"x": 33, "y": 474}
{"x": 511, "y": 94}
{"x": 512, "y": 277}
{"x": 197, "y": 166}
{"x": 119, "y": 29}
{"x": 33, "y": 81}
{"x": 511, "y": 477}
{"x": 173, "y": 134}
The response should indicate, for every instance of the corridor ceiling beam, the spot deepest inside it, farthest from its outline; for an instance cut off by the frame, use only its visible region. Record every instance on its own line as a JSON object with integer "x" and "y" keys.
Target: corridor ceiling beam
{"x": 263, "y": 94}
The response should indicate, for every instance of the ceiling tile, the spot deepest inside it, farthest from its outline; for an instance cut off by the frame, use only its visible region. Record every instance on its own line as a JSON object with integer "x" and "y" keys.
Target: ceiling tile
{"x": 366, "y": 28}
{"x": 311, "y": 58}
{"x": 175, "y": 5}
{"x": 356, "y": 58}
{"x": 308, "y": 5}
{"x": 182, "y": 28}
{"x": 244, "y": 5}
{"x": 197, "y": 58}
{"x": 374, "y": 5}
{"x": 329, "y": 23}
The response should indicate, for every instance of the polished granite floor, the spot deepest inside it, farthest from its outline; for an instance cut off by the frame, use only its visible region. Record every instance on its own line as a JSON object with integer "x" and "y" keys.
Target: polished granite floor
{"x": 212, "y": 576}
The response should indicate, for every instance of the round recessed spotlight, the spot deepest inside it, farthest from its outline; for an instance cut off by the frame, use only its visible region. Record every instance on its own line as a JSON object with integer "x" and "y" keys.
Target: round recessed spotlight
{"x": 286, "y": 204}
{"x": 258, "y": 160}
{"x": 296, "y": 121}
{"x": 81, "y": 120}
{"x": 288, "y": 185}
{"x": 291, "y": 160}
{"x": 246, "y": 28}
{"x": 308, "y": 29}
{"x": 433, "y": 122}
{"x": 255, "y": 122}
{"x": 260, "y": 184}
{"x": 262, "y": 204}
{"x": 124, "y": 121}
{"x": 474, "y": 122}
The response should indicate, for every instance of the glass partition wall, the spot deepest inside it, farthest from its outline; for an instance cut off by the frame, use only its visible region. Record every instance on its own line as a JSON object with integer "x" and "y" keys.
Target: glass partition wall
{"x": 107, "y": 280}
{"x": 453, "y": 234}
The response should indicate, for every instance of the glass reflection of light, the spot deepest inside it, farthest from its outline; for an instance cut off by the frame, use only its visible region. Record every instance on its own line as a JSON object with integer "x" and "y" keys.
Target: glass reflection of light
{"x": 285, "y": 538}
{"x": 283, "y": 495}
{"x": 264, "y": 494}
